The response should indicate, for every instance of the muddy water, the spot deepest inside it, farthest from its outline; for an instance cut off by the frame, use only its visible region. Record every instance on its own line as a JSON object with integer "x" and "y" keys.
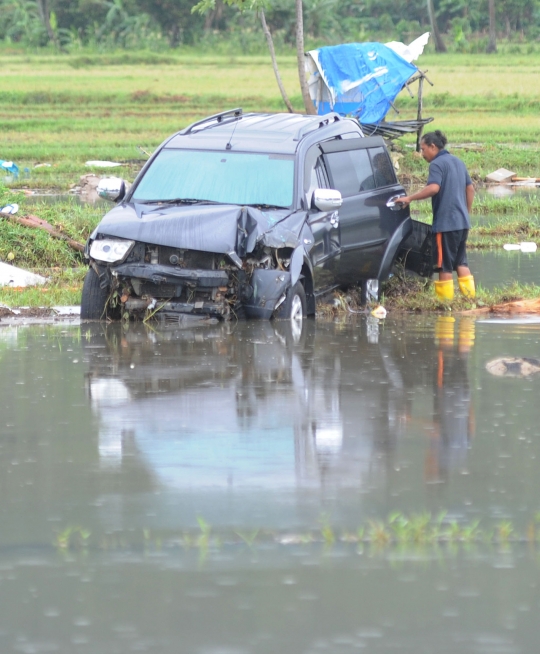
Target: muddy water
{"x": 179, "y": 490}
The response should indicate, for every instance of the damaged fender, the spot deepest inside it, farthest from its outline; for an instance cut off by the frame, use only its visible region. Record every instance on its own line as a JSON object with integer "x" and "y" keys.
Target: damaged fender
{"x": 269, "y": 286}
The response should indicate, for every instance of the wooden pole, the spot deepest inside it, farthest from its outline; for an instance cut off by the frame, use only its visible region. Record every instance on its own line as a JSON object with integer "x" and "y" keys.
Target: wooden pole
{"x": 419, "y": 113}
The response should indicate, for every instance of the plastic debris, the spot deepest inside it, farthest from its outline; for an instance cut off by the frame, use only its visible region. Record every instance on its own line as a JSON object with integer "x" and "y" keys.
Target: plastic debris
{"x": 12, "y": 276}
{"x": 412, "y": 51}
{"x": 103, "y": 164}
{"x": 10, "y": 208}
{"x": 379, "y": 312}
{"x": 42, "y": 165}
{"x": 523, "y": 247}
{"x": 9, "y": 167}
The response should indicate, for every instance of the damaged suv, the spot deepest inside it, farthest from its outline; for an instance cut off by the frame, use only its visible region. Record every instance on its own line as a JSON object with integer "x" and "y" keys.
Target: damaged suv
{"x": 247, "y": 215}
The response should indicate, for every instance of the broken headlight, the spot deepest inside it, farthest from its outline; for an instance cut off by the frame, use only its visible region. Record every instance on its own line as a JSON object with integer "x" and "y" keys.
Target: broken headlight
{"x": 110, "y": 250}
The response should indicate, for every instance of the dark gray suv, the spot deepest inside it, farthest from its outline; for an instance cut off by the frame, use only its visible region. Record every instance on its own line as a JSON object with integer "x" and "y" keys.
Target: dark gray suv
{"x": 249, "y": 215}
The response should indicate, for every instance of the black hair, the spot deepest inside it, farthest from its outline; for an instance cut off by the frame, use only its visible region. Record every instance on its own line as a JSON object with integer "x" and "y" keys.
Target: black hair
{"x": 437, "y": 138}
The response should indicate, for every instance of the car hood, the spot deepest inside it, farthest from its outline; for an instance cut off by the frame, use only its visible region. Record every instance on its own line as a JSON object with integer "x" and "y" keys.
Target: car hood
{"x": 205, "y": 227}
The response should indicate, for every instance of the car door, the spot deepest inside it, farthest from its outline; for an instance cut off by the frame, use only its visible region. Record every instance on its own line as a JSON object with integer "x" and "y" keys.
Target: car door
{"x": 362, "y": 171}
{"x": 325, "y": 227}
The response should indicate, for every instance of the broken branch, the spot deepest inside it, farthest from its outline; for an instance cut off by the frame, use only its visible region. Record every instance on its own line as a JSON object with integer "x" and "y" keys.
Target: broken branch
{"x": 38, "y": 223}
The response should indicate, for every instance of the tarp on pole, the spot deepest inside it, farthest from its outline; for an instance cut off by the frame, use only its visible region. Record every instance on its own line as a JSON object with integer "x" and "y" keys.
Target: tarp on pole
{"x": 359, "y": 79}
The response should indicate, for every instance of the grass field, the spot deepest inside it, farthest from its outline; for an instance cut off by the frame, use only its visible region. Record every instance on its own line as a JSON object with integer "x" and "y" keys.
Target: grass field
{"x": 65, "y": 110}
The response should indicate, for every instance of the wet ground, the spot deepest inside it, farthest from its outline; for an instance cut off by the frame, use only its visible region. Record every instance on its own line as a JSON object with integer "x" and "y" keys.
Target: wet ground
{"x": 217, "y": 489}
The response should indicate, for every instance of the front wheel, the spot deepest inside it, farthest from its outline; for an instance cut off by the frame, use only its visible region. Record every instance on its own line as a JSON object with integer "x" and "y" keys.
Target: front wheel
{"x": 294, "y": 307}
{"x": 94, "y": 298}
{"x": 369, "y": 291}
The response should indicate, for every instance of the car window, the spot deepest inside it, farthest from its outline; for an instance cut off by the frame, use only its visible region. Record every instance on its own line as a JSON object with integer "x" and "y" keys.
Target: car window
{"x": 350, "y": 172}
{"x": 225, "y": 177}
{"x": 383, "y": 170}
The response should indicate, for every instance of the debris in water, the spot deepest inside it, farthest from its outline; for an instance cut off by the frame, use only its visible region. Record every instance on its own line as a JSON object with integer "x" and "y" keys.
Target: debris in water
{"x": 513, "y": 367}
{"x": 379, "y": 312}
{"x": 523, "y": 247}
{"x": 500, "y": 176}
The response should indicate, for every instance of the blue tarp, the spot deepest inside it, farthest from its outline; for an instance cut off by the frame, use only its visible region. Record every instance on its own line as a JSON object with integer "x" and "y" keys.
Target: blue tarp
{"x": 363, "y": 79}
{"x": 9, "y": 167}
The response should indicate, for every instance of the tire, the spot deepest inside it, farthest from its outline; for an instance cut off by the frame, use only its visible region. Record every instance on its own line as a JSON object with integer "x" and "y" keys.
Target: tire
{"x": 370, "y": 291}
{"x": 94, "y": 298}
{"x": 294, "y": 307}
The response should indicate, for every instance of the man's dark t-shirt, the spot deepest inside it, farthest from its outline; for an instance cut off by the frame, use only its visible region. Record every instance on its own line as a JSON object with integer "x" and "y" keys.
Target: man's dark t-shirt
{"x": 450, "y": 204}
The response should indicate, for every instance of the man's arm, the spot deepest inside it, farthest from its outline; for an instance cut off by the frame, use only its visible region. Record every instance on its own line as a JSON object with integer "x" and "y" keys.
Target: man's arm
{"x": 423, "y": 194}
{"x": 469, "y": 193}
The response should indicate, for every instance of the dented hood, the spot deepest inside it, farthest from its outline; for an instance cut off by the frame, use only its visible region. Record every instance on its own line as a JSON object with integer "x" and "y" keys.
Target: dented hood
{"x": 204, "y": 227}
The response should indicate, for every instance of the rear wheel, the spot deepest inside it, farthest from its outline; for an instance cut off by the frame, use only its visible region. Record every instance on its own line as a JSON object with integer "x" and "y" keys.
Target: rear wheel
{"x": 94, "y": 298}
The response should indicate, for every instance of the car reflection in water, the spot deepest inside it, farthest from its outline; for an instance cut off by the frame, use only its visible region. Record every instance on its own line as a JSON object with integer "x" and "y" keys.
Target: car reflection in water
{"x": 254, "y": 406}
{"x": 216, "y": 406}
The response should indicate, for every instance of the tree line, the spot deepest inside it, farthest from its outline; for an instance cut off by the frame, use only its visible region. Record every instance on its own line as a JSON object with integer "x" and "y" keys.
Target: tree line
{"x": 462, "y": 25}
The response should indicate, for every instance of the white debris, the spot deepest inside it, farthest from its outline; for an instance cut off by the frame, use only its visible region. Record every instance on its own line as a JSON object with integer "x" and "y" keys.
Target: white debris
{"x": 525, "y": 246}
{"x": 10, "y": 208}
{"x": 13, "y": 276}
{"x": 67, "y": 310}
{"x": 103, "y": 164}
{"x": 500, "y": 176}
{"x": 412, "y": 51}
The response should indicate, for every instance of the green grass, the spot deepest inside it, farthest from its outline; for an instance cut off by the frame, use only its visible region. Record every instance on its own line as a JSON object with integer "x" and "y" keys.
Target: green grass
{"x": 416, "y": 532}
{"x": 67, "y": 109}
{"x": 413, "y": 294}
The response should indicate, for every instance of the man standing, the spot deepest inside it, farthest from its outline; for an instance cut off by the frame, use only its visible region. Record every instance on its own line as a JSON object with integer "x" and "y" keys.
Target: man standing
{"x": 452, "y": 192}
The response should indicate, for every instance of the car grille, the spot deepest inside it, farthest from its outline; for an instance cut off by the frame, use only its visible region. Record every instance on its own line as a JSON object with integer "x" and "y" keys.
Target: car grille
{"x": 188, "y": 258}
{"x": 160, "y": 290}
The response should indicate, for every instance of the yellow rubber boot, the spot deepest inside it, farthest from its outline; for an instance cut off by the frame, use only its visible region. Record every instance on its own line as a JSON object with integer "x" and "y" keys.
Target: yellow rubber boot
{"x": 444, "y": 330}
{"x": 445, "y": 289}
{"x": 466, "y": 286}
{"x": 466, "y": 334}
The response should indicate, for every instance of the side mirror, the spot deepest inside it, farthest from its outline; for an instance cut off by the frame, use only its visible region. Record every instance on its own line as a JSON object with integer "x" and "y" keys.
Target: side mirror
{"x": 112, "y": 188}
{"x": 327, "y": 199}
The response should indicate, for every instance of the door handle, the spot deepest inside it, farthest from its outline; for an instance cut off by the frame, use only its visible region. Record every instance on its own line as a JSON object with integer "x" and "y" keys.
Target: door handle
{"x": 393, "y": 203}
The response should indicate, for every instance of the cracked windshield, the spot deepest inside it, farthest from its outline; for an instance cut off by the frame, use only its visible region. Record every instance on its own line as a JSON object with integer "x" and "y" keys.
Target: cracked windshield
{"x": 269, "y": 327}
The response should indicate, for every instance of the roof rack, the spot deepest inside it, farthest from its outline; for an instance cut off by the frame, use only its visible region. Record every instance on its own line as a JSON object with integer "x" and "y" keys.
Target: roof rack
{"x": 324, "y": 121}
{"x": 223, "y": 117}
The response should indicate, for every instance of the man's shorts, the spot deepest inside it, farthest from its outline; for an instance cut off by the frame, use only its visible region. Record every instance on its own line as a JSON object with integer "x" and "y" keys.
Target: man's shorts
{"x": 449, "y": 250}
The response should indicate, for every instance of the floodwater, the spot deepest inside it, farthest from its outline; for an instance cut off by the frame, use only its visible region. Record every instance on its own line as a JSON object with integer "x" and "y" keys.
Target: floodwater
{"x": 203, "y": 490}
{"x": 496, "y": 268}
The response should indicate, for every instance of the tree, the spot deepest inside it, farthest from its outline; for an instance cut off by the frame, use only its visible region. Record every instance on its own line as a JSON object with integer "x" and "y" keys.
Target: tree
{"x": 300, "y": 59}
{"x": 492, "y": 44}
{"x": 204, "y": 6}
{"x": 270, "y": 43}
{"x": 437, "y": 38}
{"x": 174, "y": 17}
{"x": 48, "y": 19}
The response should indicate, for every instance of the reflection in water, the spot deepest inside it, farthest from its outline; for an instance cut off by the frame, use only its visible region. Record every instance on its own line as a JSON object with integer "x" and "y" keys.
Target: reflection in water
{"x": 114, "y": 440}
{"x": 453, "y": 413}
{"x": 245, "y": 406}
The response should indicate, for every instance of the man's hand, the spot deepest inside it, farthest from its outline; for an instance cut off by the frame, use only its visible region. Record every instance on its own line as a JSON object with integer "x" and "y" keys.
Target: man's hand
{"x": 427, "y": 192}
{"x": 404, "y": 200}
